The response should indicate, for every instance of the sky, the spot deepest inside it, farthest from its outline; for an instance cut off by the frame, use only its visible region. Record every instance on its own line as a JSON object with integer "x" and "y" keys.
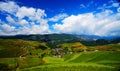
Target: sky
{"x": 81, "y": 17}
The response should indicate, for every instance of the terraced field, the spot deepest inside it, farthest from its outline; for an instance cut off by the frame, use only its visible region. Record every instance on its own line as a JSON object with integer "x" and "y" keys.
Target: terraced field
{"x": 24, "y": 55}
{"x": 86, "y": 61}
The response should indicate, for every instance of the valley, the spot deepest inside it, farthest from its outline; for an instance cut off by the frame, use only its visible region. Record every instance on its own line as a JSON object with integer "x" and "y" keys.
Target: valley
{"x": 58, "y": 52}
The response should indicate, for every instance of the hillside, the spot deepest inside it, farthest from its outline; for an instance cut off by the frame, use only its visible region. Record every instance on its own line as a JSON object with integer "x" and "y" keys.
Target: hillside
{"x": 108, "y": 47}
{"x": 98, "y": 57}
{"x": 53, "y": 40}
{"x": 17, "y": 53}
{"x": 74, "y": 47}
{"x": 86, "y": 61}
{"x": 55, "y": 51}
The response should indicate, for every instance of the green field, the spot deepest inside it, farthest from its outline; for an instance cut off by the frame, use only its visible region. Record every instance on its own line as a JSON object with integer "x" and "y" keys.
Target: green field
{"x": 86, "y": 61}
{"x": 71, "y": 67}
{"x": 23, "y": 55}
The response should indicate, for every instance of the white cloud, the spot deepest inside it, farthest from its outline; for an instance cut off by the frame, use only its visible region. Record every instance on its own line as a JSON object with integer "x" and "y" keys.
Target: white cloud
{"x": 104, "y": 14}
{"x": 7, "y": 28}
{"x": 118, "y": 9}
{"x": 31, "y": 13}
{"x": 18, "y": 22}
{"x": 93, "y": 24}
{"x": 9, "y": 7}
{"x": 58, "y": 17}
{"x": 35, "y": 29}
{"x": 25, "y": 12}
{"x": 115, "y": 4}
{"x": 28, "y": 20}
{"x": 10, "y": 19}
{"x": 22, "y": 20}
{"x": 111, "y": 4}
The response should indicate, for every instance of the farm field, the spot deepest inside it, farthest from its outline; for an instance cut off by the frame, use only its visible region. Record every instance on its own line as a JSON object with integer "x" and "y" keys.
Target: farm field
{"x": 26, "y": 55}
{"x": 102, "y": 61}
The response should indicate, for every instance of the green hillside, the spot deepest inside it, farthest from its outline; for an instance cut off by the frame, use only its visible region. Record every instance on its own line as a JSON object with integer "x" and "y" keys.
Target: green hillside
{"x": 55, "y": 39}
{"x": 24, "y": 55}
{"x": 73, "y": 47}
{"x": 100, "y": 57}
{"x": 51, "y": 39}
{"x": 16, "y": 53}
{"x": 85, "y": 61}
{"x": 108, "y": 47}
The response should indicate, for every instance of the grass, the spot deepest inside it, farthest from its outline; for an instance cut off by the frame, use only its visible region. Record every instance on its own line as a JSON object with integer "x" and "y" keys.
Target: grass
{"x": 7, "y": 64}
{"x": 70, "y": 57}
{"x": 71, "y": 67}
{"x": 100, "y": 56}
{"x": 32, "y": 61}
{"x": 12, "y": 49}
{"x": 9, "y": 61}
{"x": 29, "y": 62}
{"x": 86, "y": 61}
{"x": 49, "y": 59}
{"x": 1, "y": 48}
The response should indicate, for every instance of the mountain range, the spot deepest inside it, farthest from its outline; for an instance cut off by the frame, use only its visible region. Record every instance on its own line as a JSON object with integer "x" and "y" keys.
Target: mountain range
{"x": 54, "y": 39}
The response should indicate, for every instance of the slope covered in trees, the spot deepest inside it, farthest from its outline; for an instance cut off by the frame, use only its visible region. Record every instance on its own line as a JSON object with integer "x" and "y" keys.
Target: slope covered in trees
{"x": 52, "y": 40}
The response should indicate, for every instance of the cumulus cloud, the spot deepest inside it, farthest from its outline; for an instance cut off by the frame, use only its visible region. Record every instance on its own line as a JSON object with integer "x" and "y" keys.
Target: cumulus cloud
{"x": 7, "y": 28}
{"x": 102, "y": 24}
{"x": 22, "y": 20}
{"x": 31, "y": 13}
{"x": 10, "y": 19}
{"x": 25, "y": 12}
{"x": 35, "y": 29}
{"x": 9, "y": 7}
{"x": 58, "y": 17}
{"x": 28, "y": 20}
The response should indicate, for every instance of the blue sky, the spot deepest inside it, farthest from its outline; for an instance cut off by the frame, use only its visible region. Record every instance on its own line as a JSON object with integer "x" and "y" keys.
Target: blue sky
{"x": 89, "y": 17}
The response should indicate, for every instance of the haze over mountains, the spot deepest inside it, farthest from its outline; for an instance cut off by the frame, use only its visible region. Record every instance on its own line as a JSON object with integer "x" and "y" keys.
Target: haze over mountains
{"x": 54, "y": 39}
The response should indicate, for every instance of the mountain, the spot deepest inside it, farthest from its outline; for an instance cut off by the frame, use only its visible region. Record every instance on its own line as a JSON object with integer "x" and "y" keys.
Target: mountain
{"x": 53, "y": 40}
{"x": 88, "y": 37}
{"x": 95, "y": 37}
